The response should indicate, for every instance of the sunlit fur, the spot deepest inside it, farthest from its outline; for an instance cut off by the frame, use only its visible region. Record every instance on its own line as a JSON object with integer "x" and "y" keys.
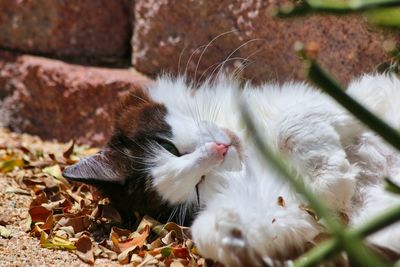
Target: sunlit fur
{"x": 331, "y": 149}
{"x": 198, "y": 119}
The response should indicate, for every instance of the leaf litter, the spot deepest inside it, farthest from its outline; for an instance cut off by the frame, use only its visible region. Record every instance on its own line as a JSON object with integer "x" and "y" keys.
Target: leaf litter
{"x": 75, "y": 217}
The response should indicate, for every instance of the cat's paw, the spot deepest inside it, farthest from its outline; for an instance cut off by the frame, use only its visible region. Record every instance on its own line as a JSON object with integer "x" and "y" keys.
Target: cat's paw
{"x": 212, "y": 154}
{"x": 220, "y": 236}
{"x": 337, "y": 188}
{"x": 214, "y": 232}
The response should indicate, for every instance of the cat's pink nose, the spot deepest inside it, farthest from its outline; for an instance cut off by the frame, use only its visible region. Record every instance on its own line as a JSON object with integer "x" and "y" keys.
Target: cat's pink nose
{"x": 222, "y": 149}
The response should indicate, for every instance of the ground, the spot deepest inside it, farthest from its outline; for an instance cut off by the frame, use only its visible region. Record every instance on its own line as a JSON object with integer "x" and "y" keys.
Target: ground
{"x": 40, "y": 210}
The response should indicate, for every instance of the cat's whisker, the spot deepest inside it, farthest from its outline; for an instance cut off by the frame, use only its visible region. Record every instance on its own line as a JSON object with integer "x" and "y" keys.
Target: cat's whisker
{"x": 220, "y": 65}
{"x": 234, "y": 51}
{"x": 138, "y": 97}
{"x": 180, "y": 58}
{"x": 183, "y": 210}
{"x": 194, "y": 115}
{"x": 206, "y": 47}
{"x": 216, "y": 66}
{"x": 239, "y": 70}
{"x": 244, "y": 64}
{"x": 173, "y": 213}
{"x": 190, "y": 58}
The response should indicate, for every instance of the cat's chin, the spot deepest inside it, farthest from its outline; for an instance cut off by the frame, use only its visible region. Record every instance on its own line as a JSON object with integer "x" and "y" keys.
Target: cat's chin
{"x": 232, "y": 160}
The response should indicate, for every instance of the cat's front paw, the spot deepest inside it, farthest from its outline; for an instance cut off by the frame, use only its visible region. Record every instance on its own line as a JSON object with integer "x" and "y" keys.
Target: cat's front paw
{"x": 235, "y": 250}
{"x": 212, "y": 232}
{"x": 220, "y": 237}
{"x": 211, "y": 155}
{"x": 337, "y": 188}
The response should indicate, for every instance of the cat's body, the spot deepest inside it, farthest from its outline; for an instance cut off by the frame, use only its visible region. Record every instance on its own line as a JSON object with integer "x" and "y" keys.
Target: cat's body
{"x": 177, "y": 147}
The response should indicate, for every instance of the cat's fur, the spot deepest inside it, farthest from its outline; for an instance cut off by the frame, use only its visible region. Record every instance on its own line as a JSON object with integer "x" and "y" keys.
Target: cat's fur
{"x": 219, "y": 172}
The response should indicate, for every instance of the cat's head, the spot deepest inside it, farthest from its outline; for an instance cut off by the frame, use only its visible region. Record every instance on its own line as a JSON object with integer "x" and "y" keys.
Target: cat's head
{"x": 165, "y": 151}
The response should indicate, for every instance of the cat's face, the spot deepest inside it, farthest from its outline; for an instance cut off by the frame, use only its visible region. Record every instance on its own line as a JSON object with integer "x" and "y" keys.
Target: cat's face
{"x": 163, "y": 153}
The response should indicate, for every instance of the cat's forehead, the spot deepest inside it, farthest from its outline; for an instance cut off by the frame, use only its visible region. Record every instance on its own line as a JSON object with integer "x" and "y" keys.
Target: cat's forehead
{"x": 139, "y": 115}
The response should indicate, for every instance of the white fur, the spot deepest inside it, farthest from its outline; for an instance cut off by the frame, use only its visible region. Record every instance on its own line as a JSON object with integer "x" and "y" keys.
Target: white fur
{"x": 342, "y": 161}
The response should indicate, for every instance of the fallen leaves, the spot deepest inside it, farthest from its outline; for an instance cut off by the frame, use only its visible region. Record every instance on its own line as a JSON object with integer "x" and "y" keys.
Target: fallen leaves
{"x": 75, "y": 217}
{"x": 4, "y": 232}
{"x": 9, "y": 163}
{"x": 84, "y": 249}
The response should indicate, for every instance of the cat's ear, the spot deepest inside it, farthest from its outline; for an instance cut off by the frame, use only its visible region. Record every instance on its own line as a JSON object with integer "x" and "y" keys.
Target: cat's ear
{"x": 101, "y": 167}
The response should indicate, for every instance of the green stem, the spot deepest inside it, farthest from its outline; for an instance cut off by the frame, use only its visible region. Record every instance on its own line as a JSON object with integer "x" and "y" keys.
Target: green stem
{"x": 320, "y": 253}
{"x": 330, "y": 247}
{"x": 333, "y": 6}
{"x": 377, "y": 223}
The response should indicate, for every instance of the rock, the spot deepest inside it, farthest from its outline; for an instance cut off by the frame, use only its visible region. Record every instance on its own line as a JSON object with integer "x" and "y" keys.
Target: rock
{"x": 56, "y": 100}
{"x": 171, "y": 35}
{"x": 72, "y": 28}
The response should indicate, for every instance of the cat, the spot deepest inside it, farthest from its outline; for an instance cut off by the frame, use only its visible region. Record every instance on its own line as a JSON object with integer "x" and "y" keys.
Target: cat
{"x": 181, "y": 152}
{"x": 231, "y": 224}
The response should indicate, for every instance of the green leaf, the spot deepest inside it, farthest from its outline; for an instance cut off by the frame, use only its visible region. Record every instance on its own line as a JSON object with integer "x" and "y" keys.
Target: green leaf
{"x": 329, "y": 4}
{"x": 11, "y": 164}
{"x": 384, "y": 16}
{"x": 166, "y": 252}
{"x": 348, "y": 5}
{"x": 391, "y": 186}
{"x": 58, "y": 243}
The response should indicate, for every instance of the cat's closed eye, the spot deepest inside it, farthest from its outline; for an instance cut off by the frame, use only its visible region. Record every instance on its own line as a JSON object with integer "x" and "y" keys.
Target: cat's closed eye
{"x": 170, "y": 147}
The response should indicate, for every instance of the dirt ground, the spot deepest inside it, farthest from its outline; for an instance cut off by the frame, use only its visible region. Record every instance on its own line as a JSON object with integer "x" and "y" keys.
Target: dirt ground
{"x": 21, "y": 249}
{"x": 46, "y": 220}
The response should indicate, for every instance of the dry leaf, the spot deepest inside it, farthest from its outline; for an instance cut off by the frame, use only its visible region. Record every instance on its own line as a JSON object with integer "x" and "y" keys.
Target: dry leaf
{"x": 15, "y": 190}
{"x": 54, "y": 171}
{"x": 67, "y": 154}
{"x": 146, "y": 220}
{"x": 148, "y": 261}
{"x": 181, "y": 253}
{"x": 107, "y": 253}
{"x": 39, "y": 214}
{"x": 179, "y": 231}
{"x": 281, "y": 202}
{"x": 84, "y": 249}
{"x": 137, "y": 241}
{"x": 4, "y": 232}
{"x": 78, "y": 224}
{"x": 176, "y": 264}
{"x": 124, "y": 257}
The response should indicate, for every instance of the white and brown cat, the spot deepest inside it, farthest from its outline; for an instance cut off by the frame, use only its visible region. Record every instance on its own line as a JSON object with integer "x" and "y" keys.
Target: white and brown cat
{"x": 182, "y": 152}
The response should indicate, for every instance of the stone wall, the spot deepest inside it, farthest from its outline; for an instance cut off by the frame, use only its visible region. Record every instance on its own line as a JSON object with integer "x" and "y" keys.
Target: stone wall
{"x": 172, "y": 31}
{"x": 69, "y": 99}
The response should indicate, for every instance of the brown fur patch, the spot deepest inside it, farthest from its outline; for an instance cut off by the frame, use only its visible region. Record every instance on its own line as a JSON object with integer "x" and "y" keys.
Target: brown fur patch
{"x": 139, "y": 116}
{"x": 139, "y": 120}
